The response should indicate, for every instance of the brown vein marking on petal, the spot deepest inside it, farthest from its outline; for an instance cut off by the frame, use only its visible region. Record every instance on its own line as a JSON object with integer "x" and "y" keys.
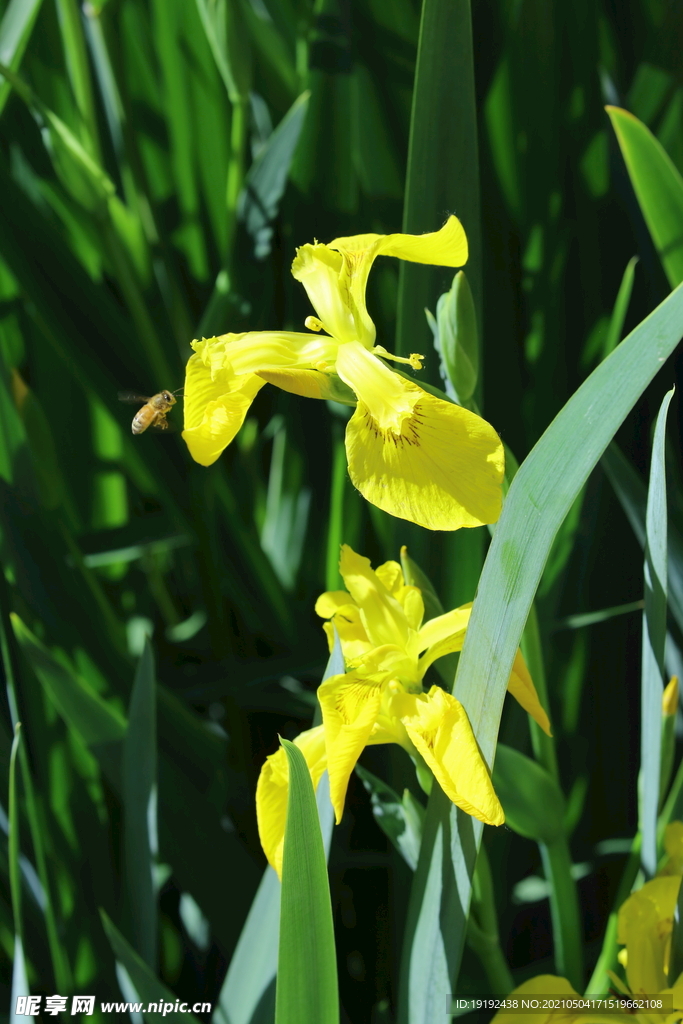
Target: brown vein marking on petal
{"x": 358, "y": 692}
{"x": 409, "y": 430}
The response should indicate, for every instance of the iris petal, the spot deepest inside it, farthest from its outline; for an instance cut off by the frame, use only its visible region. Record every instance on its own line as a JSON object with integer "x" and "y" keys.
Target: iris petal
{"x": 438, "y": 725}
{"x": 644, "y": 924}
{"x": 214, "y": 409}
{"x": 521, "y": 687}
{"x": 443, "y": 470}
{"x": 384, "y": 619}
{"x": 350, "y": 706}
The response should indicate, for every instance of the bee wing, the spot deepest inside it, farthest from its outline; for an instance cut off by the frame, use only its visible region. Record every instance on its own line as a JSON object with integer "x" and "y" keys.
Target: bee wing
{"x": 132, "y": 397}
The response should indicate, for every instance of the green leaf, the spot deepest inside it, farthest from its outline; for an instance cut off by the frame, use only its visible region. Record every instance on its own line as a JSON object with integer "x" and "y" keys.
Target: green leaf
{"x": 15, "y": 32}
{"x": 632, "y": 495}
{"x": 230, "y": 44}
{"x": 658, "y": 187}
{"x": 539, "y": 498}
{"x": 266, "y": 179}
{"x": 147, "y": 986}
{"x": 533, "y": 802}
{"x": 140, "y": 811}
{"x": 247, "y": 995}
{"x": 399, "y": 818}
{"x": 443, "y": 161}
{"x": 654, "y": 639}
{"x": 95, "y": 721}
{"x": 306, "y": 990}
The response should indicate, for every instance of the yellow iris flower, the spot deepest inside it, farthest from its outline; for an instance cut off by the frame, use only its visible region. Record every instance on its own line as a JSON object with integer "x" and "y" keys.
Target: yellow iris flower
{"x": 380, "y": 699}
{"x": 644, "y": 927}
{"x": 413, "y": 455}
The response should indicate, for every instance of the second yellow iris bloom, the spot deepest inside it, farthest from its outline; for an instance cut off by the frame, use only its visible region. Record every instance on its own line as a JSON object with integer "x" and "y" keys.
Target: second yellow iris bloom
{"x": 413, "y": 455}
{"x": 380, "y": 699}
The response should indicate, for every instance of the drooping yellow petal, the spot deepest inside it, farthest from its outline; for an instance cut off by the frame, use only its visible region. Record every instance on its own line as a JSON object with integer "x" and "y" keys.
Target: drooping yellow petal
{"x": 443, "y": 471}
{"x": 644, "y": 925}
{"x": 214, "y": 411}
{"x": 381, "y": 614}
{"x": 521, "y": 687}
{"x": 378, "y": 388}
{"x": 350, "y": 706}
{"x": 272, "y": 791}
{"x": 438, "y": 725}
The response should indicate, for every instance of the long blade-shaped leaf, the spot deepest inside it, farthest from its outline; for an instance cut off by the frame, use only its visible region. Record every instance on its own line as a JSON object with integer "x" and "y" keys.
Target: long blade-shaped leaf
{"x": 15, "y": 32}
{"x": 539, "y": 498}
{"x": 248, "y": 989}
{"x": 443, "y": 163}
{"x": 658, "y": 187}
{"x": 140, "y": 798}
{"x": 307, "y": 964}
{"x": 654, "y": 639}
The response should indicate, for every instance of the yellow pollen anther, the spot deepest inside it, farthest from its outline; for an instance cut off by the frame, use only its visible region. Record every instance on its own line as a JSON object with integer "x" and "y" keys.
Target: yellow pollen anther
{"x": 413, "y": 360}
{"x": 313, "y": 323}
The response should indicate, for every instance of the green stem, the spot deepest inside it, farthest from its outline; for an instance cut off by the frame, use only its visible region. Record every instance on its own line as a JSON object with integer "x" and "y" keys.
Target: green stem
{"x": 482, "y": 929}
{"x": 564, "y": 911}
{"x": 557, "y": 861}
{"x": 13, "y": 846}
{"x": 336, "y": 517}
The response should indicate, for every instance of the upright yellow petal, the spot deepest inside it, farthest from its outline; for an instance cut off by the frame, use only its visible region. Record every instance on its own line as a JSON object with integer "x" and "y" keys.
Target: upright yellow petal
{"x": 521, "y": 686}
{"x": 272, "y": 791}
{"x": 214, "y": 411}
{"x": 443, "y": 471}
{"x": 384, "y": 619}
{"x": 444, "y": 248}
{"x": 391, "y": 575}
{"x": 330, "y": 602}
{"x": 644, "y": 925}
{"x": 327, "y": 277}
{"x": 350, "y": 706}
{"x": 438, "y": 725}
{"x": 442, "y": 627}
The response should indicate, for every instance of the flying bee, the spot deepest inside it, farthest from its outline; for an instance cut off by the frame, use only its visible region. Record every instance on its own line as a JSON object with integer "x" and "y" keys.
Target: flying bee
{"x": 153, "y": 413}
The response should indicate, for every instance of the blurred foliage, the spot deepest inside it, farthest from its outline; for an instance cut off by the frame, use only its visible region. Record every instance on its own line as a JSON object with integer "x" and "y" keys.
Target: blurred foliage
{"x": 159, "y": 162}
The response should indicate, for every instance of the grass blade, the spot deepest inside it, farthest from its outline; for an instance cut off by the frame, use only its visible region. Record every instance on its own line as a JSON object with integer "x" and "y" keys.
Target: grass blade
{"x": 307, "y": 964}
{"x": 140, "y": 798}
{"x": 147, "y": 986}
{"x": 616, "y": 323}
{"x": 15, "y": 32}
{"x": 539, "y": 498}
{"x": 654, "y": 639}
